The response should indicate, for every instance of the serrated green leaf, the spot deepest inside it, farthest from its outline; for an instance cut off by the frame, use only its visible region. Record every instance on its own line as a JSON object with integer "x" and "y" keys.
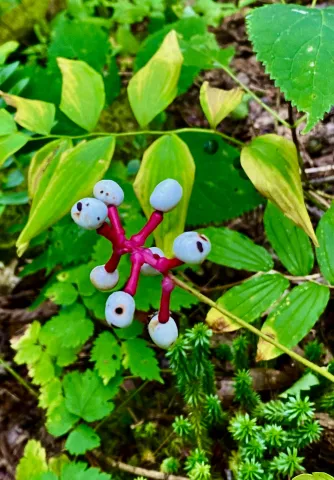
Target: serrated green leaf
{"x": 9, "y": 144}
{"x": 56, "y": 464}
{"x": 271, "y": 163}
{"x": 294, "y": 43}
{"x": 140, "y": 359}
{"x": 290, "y": 242}
{"x": 154, "y": 86}
{"x": 79, "y": 276}
{"x": 82, "y": 94}
{"x": 106, "y": 354}
{"x": 33, "y": 461}
{"x": 134, "y": 330}
{"x": 7, "y": 123}
{"x": 70, "y": 329}
{"x": 86, "y": 396}
{"x": 45, "y": 476}
{"x": 50, "y": 394}
{"x": 220, "y": 192}
{"x": 293, "y": 318}
{"x": 247, "y": 301}
{"x": 305, "y": 383}
{"x": 81, "y": 439}
{"x": 43, "y": 370}
{"x": 34, "y": 115}
{"x": 81, "y": 471}
{"x": 217, "y": 103}
{"x": 74, "y": 177}
{"x": 167, "y": 157}
{"x": 62, "y": 293}
{"x": 325, "y": 252}
{"x": 97, "y": 304}
{"x": 27, "y": 349}
{"x": 60, "y": 420}
{"x": 233, "y": 249}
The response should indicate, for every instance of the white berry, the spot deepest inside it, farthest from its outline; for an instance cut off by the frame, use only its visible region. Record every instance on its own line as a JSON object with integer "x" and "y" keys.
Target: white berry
{"x": 103, "y": 280}
{"x": 146, "y": 269}
{"x": 120, "y": 308}
{"x": 191, "y": 247}
{"x": 166, "y": 195}
{"x": 89, "y": 213}
{"x": 109, "y": 192}
{"x": 163, "y": 334}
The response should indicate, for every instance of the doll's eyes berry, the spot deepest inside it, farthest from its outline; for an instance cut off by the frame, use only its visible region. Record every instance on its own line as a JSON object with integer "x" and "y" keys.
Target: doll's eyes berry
{"x": 119, "y": 310}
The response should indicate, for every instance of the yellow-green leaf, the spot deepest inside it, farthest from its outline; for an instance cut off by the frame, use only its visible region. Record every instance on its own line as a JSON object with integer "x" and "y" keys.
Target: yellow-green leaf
{"x": 271, "y": 163}
{"x": 7, "y": 123}
{"x": 325, "y": 253}
{"x": 154, "y": 86}
{"x": 42, "y": 166}
{"x": 33, "y": 115}
{"x": 82, "y": 94}
{"x": 76, "y": 173}
{"x": 167, "y": 157}
{"x": 217, "y": 103}
{"x": 293, "y": 318}
{"x": 247, "y": 301}
{"x": 33, "y": 461}
{"x": 6, "y": 49}
{"x": 10, "y": 144}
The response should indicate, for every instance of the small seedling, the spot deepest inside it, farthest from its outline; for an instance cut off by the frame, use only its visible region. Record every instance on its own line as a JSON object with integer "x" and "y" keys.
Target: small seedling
{"x": 189, "y": 247}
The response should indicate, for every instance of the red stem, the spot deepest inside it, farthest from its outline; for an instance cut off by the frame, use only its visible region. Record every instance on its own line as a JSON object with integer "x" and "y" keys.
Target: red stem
{"x": 136, "y": 263}
{"x": 117, "y": 229}
{"x": 167, "y": 287}
{"x": 112, "y": 264}
{"x": 153, "y": 222}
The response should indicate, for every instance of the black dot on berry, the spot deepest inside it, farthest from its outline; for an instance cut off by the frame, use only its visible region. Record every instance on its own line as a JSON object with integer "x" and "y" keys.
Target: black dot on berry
{"x": 107, "y": 194}
{"x": 114, "y": 357}
{"x": 119, "y": 310}
{"x": 200, "y": 247}
{"x": 101, "y": 191}
{"x": 87, "y": 204}
{"x": 98, "y": 219}
{"x": 79, "y": 206}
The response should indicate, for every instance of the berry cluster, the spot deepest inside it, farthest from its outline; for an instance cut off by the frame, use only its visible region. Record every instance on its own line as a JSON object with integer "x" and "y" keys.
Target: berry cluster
{"x": 189, "y": 247}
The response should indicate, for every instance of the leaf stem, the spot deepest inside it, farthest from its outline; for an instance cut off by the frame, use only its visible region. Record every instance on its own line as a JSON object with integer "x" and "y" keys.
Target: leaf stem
{"x": 251, "y": 328}
{"x": 314, "y": 2}
{"x": 253, "y": 95}
{"x": 144, "y": 132}
{"x": 18, "y": 378}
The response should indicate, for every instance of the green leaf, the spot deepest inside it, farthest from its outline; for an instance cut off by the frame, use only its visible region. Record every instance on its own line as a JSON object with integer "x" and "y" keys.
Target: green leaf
{"x": 217, "y": 103}
{"x": 220, "y": 192}
{"x": 314, "y": 476}
{"x": 7, "y": 123}
{"x": 167, "y": 157}
{"x": 134, "y": 330}
{"x": 86, "y": 396}
{"x": 291, "y": 244}
{"x": 33, "y": 461}
{"x": 80, "y": 276}
{"x": 50, "y": 394}
{"x": 43, "y": 370}
{"x": 34, "y": 115}
{"x": 154, "y": 87}
{"x": 247, "y": 301}
{"x": 81, "y": 471}
{"x": 14, "y": 198}
{"x": 81, "y": 439}
{"x": 233, "y": 249}
{"x": 6, "y": 49}
{"x": 60, "y": 420}
{"x": 70, "y": 329}
{"x": 82, "y": 94}
{"x": 27, "y": 349}
{"x": 293, "y": 318}
{"x": 74, "y": 177}
{"x": 9, "y": 144}
{"x": 62, "y": 293}
{"x": 325, "y": 252}
{"x": 305, "y": 383}
{"x": 140, "y": 359}
{"x": 295, "y": 43}
{"x": 42, "y": 167}
{"x": 106, "y": 354}
{"x": 271, "y": 163}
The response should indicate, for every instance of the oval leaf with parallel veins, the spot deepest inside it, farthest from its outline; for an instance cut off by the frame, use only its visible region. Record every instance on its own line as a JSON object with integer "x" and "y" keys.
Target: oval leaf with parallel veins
{"x": 34, "y": 115}
{"x": 9, "y": 144}
{"x": 7, "y": 123}
{"x": 325, "y": 253}
{"x": 82, "y": 93}
{"x": 290, "y": 242}
{"x": 167, "y": 157}
{"x": 217, "y": 103}
{"x": 293, "y": 318}
{"x": 247, "y": 301}
{"x": 75, "y": 175}
{"x": 154, "y": 86}
{"x": 235, "y": 250}
{"x": 271, "y": 163}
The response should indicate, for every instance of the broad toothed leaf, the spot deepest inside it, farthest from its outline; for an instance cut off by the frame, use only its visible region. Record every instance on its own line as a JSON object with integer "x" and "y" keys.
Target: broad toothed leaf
{"x": 81, "y": 439}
